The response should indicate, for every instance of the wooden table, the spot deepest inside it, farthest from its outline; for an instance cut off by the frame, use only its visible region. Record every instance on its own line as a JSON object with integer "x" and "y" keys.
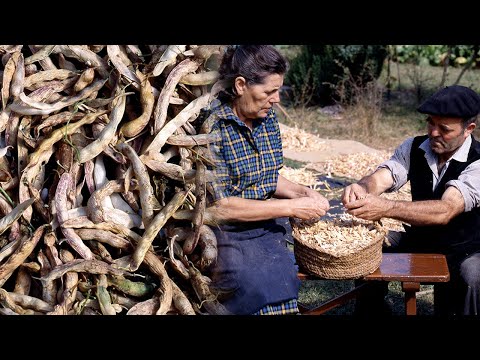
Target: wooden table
{"x": 408, "y": 268}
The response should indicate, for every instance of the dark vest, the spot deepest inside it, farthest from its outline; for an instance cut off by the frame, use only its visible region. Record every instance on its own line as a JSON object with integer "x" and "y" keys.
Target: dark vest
{"x": 460, "y": 237}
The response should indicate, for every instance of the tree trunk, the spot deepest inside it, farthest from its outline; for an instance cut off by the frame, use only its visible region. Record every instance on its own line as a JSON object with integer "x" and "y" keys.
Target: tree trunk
{"x": 446, "y": 62}
{"x": 398, "y": 66}
{"x": 389, "y": 80}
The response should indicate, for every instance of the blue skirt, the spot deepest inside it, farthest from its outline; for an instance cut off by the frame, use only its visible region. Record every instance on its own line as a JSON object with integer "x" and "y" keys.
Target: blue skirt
{"x": 254, "y": 267}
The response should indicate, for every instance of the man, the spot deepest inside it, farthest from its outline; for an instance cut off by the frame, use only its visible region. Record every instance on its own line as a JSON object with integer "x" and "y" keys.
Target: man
{"x": 443, "y": 168}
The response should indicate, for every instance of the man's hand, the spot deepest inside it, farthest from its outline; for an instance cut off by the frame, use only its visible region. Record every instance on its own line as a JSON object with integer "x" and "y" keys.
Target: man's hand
{"x": 353, "y": 193}
{"x": 370, "y": 207}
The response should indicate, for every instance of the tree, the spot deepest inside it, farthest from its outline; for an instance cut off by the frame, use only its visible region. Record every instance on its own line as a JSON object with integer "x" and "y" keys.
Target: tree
{"x": 315, "y": 73}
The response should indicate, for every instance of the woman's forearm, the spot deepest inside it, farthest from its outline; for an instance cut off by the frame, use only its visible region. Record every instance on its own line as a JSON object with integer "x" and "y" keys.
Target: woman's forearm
{"x": 287, "y": 189}
{"x": 240, "y": 209}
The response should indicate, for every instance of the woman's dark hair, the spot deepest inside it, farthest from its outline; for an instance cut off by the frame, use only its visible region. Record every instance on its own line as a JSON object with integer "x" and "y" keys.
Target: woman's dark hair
{"x": 253, "y": 62}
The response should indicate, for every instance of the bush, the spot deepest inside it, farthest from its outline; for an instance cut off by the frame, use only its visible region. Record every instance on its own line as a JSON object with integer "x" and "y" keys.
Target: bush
{"x": 316, "y": 71}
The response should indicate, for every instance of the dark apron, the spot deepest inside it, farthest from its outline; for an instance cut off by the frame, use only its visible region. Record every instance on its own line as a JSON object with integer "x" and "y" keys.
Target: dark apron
{"x": 254, "y": 266}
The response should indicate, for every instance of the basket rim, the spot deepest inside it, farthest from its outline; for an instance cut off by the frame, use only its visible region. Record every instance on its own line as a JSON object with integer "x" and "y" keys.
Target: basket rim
{"x": 318, "y": 248}
{"x": 349, "y": 266}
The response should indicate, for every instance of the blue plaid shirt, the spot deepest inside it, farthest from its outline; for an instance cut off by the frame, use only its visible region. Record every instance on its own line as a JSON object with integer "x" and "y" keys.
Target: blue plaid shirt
{"x": 247, "y": 162}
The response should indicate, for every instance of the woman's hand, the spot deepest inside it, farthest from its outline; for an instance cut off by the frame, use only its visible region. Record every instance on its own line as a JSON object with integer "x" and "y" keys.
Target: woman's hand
{"x": 308, "y": 207}
{"x": 322, "y": 200}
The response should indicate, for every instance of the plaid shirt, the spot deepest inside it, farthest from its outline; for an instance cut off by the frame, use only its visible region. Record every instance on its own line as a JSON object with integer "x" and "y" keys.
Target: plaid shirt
{"x": 247, "y": 162}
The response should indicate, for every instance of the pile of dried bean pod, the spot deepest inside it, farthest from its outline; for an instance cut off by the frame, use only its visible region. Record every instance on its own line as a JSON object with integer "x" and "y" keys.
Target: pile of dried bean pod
{"x": 103, "y": 179}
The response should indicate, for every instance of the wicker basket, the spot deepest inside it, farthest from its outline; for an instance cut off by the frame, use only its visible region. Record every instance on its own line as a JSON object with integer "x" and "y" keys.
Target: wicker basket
{"x": 313, "y": 259}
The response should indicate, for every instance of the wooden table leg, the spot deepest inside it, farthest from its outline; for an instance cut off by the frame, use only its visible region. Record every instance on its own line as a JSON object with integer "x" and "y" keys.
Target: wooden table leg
{"x": 410, "y": 289}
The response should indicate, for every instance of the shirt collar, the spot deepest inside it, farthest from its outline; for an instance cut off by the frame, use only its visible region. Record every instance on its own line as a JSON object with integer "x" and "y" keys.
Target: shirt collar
{"x": 461, "y": 155}
{"x": 225, "y": 112}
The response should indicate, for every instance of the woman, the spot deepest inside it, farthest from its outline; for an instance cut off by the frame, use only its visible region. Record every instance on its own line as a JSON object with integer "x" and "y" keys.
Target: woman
{"x": 255, "y": 272}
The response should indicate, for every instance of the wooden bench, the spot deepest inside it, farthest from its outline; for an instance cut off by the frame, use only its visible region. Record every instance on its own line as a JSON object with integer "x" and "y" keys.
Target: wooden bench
{"x": 409, "y": 269}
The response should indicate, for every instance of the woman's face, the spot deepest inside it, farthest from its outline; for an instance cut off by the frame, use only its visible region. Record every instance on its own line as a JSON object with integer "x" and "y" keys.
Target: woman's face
{"x": 254, "y": 101}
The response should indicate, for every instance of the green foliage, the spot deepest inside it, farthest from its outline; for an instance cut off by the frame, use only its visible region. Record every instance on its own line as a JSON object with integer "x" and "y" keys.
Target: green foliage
{"x": 432, "y": 54}
{"x": 316, "y": 71}
{"x": 289, "y": 51}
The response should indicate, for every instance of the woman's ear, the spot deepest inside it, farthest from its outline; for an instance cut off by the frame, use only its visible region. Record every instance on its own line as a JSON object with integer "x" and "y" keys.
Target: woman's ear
{"x": 239, "y": 85}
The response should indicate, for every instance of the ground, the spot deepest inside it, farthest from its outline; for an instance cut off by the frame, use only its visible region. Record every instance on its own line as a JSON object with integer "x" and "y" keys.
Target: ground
{"x": 304, "y": 147}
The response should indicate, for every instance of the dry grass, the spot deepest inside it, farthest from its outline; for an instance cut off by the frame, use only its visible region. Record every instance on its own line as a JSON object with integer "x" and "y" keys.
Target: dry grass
{"x": 390, "y": 130}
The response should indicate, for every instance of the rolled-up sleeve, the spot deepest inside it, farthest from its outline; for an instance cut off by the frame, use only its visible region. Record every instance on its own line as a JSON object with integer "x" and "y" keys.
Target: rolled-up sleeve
{"x": 399, "y": 165}
{"x": 468, "y": 183}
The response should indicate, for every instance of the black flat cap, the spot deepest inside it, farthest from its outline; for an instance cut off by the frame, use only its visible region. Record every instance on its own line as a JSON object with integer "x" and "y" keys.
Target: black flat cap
{"x": 454, "y": 101}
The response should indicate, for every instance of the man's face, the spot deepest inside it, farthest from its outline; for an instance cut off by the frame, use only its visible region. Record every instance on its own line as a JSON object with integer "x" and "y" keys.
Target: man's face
{"x": 447, "y": 134}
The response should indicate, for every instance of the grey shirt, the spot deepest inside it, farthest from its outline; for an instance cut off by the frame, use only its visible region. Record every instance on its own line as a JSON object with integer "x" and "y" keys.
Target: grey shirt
{"x": 468, "y": 183}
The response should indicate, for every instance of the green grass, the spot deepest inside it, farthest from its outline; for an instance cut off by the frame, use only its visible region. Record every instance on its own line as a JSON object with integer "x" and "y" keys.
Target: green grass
{"x": 314, "y": 292}
{"x": 294, "y": 164}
